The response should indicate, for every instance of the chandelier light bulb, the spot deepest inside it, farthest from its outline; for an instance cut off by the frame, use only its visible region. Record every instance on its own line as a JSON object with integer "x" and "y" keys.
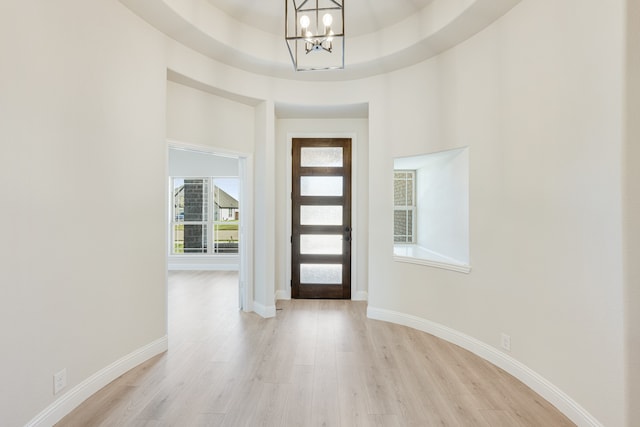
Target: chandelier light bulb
{"x": 312, "y": 40}
{"x": 327, "y": 19}
{"x": 304, "y": 21}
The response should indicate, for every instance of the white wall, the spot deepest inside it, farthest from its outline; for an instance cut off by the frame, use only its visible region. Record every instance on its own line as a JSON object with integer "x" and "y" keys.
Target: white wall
{"x": 443, "y": 198}
{"x": 631, "y": 174}
{"x": 542, "y": 114}
{"x": 264, "y": 302}
{"x": 198, "y": 164}
{"x": 538, "y": 97}
{"x": 287, "y": 128}
{"x": 199, "y": 118}
{"x": 82, "y": 162}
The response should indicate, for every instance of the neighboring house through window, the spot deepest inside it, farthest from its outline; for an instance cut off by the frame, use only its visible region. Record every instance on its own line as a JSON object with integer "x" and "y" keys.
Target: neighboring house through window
{"x": 205, "y": 215}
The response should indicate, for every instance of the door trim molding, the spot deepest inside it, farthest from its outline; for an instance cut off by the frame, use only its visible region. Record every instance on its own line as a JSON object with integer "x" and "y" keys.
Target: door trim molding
{"x": 245, "y": 255}
{"x": 355, "y": 294}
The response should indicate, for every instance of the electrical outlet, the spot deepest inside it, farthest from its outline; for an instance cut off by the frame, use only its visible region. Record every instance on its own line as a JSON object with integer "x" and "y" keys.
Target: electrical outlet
{"x": 59, "y": 381}
{"x": 505, "y": 341}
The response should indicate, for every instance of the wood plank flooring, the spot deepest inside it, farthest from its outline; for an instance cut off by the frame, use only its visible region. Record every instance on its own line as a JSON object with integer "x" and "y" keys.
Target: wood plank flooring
{"x": 318, "y": 363}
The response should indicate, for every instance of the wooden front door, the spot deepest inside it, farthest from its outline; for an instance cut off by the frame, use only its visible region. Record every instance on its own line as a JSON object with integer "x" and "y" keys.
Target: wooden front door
{"x": 321, "y": 218}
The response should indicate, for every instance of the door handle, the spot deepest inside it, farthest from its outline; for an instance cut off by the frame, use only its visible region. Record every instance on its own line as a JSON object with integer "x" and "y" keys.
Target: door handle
{"x": 347, "y": 236}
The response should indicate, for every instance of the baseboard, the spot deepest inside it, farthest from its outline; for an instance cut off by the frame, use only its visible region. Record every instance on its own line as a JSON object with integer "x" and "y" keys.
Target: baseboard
{"x": 536, "y": 382}
{"x": 74, "y": 397}
{"x": 263, "y": 310}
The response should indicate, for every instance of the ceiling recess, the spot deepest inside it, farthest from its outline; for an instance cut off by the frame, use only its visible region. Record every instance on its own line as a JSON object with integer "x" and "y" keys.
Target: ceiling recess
{"x": 381, "y": 35}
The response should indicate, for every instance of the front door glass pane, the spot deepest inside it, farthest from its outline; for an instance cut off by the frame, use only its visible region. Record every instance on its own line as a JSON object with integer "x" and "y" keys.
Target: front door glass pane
{"x": 321, "y": 157}
{"x": 321, "y": 244}
{"x": 327, "y": 274}
{"x": 320, "y": 215}
{"x": 321, "y": 186}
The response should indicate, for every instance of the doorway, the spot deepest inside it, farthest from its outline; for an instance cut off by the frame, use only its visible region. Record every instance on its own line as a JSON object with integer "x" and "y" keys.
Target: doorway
{"x": 321, "y": 218}
{"x": 219, "y": 185}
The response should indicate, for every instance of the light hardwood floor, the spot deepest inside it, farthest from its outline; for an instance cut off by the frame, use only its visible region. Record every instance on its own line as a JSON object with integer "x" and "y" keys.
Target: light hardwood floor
{"x": 318, "y": 363}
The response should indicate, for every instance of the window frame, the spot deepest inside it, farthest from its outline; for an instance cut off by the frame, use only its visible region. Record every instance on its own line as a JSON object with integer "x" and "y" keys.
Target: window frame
{"x": 442, "y": 190}
{"x": 406, "y": 207}
{"x": 210, "y": 223}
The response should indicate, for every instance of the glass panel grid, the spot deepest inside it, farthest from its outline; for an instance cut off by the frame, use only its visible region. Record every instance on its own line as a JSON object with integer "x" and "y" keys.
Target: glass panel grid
{"x": 178, "y": 238}
{"x": 321, "y": 157}
{"x": 321, "y": 186}
{"x": 404, "y": 203}
{"x": 195, "y": 238}
{"x": 196, "y": 199}
{"x": 178, "y": 199}
{"x": 193, "y": 227}
{"x": 225, "y": 237}
{"x": 321, "y": 244}
{"x": 328, "y": 274}
{"x": 403, "y": 221}
{"x": 320, "y": 215}
{"x": 400, "y": 192}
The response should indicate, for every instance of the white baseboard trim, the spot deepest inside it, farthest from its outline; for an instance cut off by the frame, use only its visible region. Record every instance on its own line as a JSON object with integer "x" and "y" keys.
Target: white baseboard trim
{"x": 360, "y": 296}
{"x": 536, "y": 382}
{"x": 74, "y": 397}
{"x": 263, "y": 310}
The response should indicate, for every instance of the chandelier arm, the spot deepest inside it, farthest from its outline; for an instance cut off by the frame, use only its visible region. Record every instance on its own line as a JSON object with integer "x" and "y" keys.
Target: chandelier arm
{"x": 301, "y": 4}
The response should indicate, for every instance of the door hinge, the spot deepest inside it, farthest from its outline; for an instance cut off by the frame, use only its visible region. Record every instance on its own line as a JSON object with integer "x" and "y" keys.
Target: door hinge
{"x": 291, "y": 239}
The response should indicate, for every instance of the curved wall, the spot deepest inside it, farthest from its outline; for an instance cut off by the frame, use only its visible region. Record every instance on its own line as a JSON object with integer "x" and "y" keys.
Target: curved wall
{"x": 631, "y": 172}
{"x": 537, "y": 97}
{"x": 541, "y": 114}
{"x": 83, "y": 164}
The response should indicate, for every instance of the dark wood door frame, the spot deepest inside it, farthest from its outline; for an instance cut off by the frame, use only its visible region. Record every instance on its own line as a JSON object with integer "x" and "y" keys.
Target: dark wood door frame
{"x": 307, "y": 290}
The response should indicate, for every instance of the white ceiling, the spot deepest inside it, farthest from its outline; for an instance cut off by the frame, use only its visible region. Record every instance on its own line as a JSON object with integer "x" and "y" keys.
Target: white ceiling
{"x": 381, "y": 35}
{"x": 363, "y": 16}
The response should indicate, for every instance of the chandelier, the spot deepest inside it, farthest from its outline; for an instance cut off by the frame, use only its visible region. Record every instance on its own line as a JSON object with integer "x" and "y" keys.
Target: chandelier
{"x": 314, "y": 32}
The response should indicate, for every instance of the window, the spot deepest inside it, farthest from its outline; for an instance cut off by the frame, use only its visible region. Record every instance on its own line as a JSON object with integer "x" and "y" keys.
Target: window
{"x": 204, "y": 210}
{"x": 404, "y": 214}
{"x": 431, "y": 209}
